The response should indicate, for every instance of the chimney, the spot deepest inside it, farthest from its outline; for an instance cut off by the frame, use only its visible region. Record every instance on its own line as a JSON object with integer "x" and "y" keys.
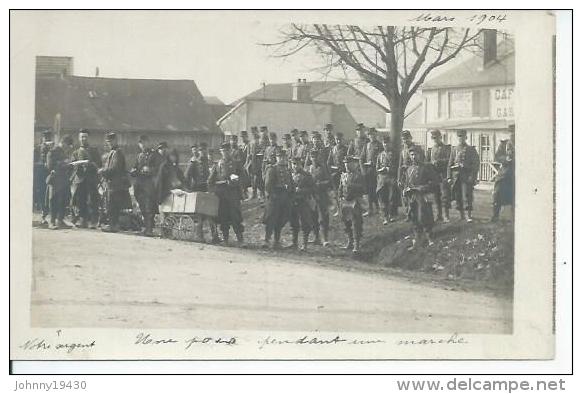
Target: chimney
{"x": 301, "y": 91}
{"x": 489, "y": 47}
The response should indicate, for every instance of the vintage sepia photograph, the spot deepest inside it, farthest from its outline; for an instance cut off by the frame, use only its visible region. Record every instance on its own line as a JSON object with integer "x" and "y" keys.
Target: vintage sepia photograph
{"x": 273, "y": 175}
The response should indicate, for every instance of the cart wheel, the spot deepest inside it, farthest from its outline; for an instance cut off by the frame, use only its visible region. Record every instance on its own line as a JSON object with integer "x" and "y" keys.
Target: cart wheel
{"x": 169, "y": 226}
{"x": 186, "y": 228}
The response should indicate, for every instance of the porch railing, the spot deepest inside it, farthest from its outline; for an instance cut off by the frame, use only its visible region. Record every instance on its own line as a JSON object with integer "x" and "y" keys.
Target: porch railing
{"x": 487, "y": 171}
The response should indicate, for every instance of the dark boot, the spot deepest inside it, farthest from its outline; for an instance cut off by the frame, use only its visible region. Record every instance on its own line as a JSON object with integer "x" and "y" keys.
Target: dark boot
{"x": 149, "y": 225}
{"x": 496, "y": 211}
{"x": 439, "y": 213}
{"x": 350, "y": 243}
{"x": 239, "y": 237}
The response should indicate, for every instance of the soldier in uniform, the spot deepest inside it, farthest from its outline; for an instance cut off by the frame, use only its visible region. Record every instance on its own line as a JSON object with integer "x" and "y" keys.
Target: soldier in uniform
{"x": 254, "y": 166}
{"x": 421, "y": 179}
{"x": 405, "y": 162}
{"x": 264, "y": 132}
{"x": 84, "y": 194}
{"x": 288, "y": 147}
{"x": 245, "y": 179}
{"x": 194, "y": 151}
{"x": 351, "y": 190}
{"x": 278, "y": 187}
{"x": 462, "y": 174}
{"x": 386, "y": 184}
{"x": 356, "y": 146}
{"x": 225, "y": 184}
{"x": 58, "y": 165}
{"x": 40, "y": 174}
{"x": 239, "y": 158}
{"x": 114, "y": 171}
{"x": 197, "y": 174}
{"x": 504, "y": 181}
{"x": 368, "y": 158}
{"x": 304, "y": 147}
{"x": 328, "y": 136}
{"x": 170, "y": 176}
{"x": 303, "y": 203}
{"x": 144, "y": 171}
{"x": 296, "y": 141}
{"x": 336, "y": 166}
{"x": 439, "y": 156}
{"x": 270, "y": 151}
{"x": 317, "y": 160}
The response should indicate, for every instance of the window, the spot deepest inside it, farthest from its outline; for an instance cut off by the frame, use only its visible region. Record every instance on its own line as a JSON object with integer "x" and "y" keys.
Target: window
{"x": 460, "y": 103}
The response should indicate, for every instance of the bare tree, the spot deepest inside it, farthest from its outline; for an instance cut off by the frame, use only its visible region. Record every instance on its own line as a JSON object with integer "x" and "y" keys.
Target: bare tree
{"x": 393, "y": 60}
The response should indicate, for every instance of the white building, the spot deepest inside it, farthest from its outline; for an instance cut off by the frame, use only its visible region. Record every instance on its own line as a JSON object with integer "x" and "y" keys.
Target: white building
{"x": 477, "y": 96}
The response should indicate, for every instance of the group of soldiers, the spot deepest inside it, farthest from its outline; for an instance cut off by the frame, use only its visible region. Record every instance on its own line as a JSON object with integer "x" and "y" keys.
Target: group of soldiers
{"x": 301, "y": 182}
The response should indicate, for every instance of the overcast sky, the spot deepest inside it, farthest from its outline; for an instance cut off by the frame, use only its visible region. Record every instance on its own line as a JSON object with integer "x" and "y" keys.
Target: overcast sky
{"x": 220, "y": 53}
{"x": 221, "y": 56}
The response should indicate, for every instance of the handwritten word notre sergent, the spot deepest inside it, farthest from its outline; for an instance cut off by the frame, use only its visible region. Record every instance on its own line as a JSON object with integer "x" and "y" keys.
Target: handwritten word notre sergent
{"x": 41, "y": 344}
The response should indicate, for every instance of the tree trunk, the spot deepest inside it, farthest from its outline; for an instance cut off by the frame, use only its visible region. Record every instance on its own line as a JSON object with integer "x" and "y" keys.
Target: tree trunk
{"x": 396, "y": 124}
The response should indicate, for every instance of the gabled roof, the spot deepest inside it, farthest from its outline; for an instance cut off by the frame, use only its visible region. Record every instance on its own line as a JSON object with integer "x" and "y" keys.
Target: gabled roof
{"x": 471, "y": 73}
{"x": 213, "y": 100}
{"x": 122, "y": 104}
{"x": 284, "y": 91}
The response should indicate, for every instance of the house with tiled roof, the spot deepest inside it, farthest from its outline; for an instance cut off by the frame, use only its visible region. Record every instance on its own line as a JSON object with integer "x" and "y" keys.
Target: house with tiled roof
{"x": 317, "y": 103}
{"x": 166, "y": 110}
{"x": 475, "y": 95}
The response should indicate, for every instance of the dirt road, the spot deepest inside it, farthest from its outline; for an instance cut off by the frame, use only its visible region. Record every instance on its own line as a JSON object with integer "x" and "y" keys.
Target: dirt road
{"x": 85, "y": 278}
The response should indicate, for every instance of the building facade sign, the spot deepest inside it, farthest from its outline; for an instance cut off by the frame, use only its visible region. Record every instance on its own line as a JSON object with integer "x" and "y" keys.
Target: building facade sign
{"x": 502, "y": 102}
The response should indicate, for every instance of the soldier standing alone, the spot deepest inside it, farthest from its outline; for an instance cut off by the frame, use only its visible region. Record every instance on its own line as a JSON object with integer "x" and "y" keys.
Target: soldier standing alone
{"x": 504, "y": 186}
{"x": 351, "y": 190}
{"x": 225, "y": 184}
{"x": 439, "y": 156}
{"x": 197, "y": 174}
{"x": 405, "y": 162}
{"x": 114, "y": 172}
{"x": 58, "y": 164}
{"x": 40, "y": 174}
{"x": 462, "y": 174}
{"x": 278, "y": 187}
{"x": 420, "y": 180}
{"x": 387, "y": 188}
{"x": 85, "y": 196}
{"x": 335, "y": 163}
{"x": 303, "y": 203}
{"x": 368, "y": 158}
{"x": 145, "y": 169}
{"x": 321, "y": 178}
